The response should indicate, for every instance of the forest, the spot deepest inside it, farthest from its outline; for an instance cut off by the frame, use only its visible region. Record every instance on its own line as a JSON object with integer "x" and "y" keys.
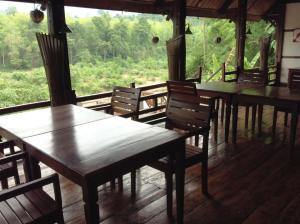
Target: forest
{"x": 107, "y": 50}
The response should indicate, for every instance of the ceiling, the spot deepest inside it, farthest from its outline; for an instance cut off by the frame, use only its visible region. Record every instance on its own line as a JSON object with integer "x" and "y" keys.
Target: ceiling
{"x": 257, "y": 9}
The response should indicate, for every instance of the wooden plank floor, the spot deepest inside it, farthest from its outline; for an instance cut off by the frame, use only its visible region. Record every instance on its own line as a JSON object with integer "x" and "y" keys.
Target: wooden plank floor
{"x": 254, "y": 182}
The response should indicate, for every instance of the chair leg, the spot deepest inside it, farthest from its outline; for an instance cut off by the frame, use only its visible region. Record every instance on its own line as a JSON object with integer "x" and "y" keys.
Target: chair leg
{"x": 274, "y": 121}
{"x": 259, "y": 119}
{"x": 222, "y": 110}
{"x": 246, "y": 116}
{"x": 112, "y": 184}
{"x": 133, "y": 185}
{"x": 204, "y": 178}
{"x": 204, "y": 165}
{"x": 17, "y": 179}
{"x": 286, "y": 116}
{"x": 120, "y": 183}
{"x": 61, "y": 219}
{"x": 169, "y": 183}
{"x": 4, "y": 183}
{"x": 253, "y": 117}
{"x": 216, "y": 127}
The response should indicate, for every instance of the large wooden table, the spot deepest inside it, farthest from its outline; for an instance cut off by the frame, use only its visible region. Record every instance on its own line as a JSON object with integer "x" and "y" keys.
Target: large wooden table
{"x": 269, "y": 95}
{"x": 225, "y": 90}
{"x": 235, "y": 94}
{"x": 90, "y": 148}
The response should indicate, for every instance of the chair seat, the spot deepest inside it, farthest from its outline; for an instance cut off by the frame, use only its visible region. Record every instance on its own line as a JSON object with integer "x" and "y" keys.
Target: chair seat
{"x": 35, "y": 206}
{"x": 193, "y": 155}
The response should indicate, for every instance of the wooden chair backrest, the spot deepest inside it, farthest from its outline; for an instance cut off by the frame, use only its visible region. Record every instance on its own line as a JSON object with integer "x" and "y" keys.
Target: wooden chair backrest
{"x": 125, "y": 100}
{"x": 294, "y": 79}
{"x": 253, "y": 77}
{"x": 186, "y": 110}
{"x": 181, "y": 87}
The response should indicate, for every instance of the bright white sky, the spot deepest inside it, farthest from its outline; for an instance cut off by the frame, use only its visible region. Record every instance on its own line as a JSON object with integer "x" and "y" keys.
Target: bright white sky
{"x": 72, "y": 11}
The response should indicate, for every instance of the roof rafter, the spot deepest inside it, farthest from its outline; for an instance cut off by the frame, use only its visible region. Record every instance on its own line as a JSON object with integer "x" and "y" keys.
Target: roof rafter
{"x": 224, "y": 7}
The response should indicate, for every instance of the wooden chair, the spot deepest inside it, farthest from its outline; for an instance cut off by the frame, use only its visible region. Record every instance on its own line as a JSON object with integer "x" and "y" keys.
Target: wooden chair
{"x": 8, "y": 170}
{"x": 293, "y": 83}
{"x": 251, "y": 77}
{"x": 125, "y": 102}
{"x": 190, "y": 88}
{"x": 189, "y": 113}
{"x": 28, "y": 203}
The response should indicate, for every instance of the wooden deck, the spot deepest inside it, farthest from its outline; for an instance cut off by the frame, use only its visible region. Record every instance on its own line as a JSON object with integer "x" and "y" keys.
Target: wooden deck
{"x": 252, "y": 183}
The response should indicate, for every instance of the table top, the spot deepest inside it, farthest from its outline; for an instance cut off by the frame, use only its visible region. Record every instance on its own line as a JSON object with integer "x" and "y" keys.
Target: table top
{"x": 224, "y": 87}
{"x": 40, "y": 121}
{"x": 100, "y": 147}
{"x": 272, "y": 92}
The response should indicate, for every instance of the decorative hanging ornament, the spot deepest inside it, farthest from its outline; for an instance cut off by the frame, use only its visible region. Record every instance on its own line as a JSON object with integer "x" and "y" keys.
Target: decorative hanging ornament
{"x": 218, "y": 40}
{"x": 155, "y": 39}
{"x": 36, "y": 14}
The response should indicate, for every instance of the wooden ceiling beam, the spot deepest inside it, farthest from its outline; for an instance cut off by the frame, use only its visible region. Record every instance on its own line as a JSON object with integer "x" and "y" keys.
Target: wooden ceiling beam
{"x": 146, "y": 7}
{"x": 224, "y": 7}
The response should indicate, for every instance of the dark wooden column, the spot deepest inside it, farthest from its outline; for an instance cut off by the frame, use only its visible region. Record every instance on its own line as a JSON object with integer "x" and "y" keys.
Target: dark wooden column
{"x": 178, "y": 19}
{"x": 56, "y": 25}
{"x": 241, "y": 33}
{"x": 279, "y": 21}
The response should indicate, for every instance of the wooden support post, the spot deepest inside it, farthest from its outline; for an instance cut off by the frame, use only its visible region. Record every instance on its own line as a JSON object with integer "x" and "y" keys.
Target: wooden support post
{"x": 279, "y": 20}
{"x": 264, "y": 57}
{"x": 241, "y": 34}
{"x": 56, "y": 27}
{"x": 179, "y": 30}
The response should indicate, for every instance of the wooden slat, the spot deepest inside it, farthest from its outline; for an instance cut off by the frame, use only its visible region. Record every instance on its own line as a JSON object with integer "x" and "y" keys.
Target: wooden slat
{"x": 8, "y": 214}
{"x": 29, "y": 206}
{"x": 19, "y": 210}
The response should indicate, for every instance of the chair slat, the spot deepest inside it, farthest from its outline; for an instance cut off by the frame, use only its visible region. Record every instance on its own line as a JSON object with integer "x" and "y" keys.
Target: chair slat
{"x": 29, "y": 207}
{"x": 19, "y": 210}
{"x": 9, "y": 214}
{"x": 125, "y": 100}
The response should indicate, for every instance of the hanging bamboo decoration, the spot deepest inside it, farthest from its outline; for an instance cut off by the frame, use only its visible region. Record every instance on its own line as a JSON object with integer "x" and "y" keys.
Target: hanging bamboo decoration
{"x": 52, "y": 51}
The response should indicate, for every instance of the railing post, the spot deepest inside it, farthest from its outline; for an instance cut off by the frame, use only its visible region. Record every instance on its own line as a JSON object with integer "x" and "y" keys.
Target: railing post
{"x": 223, "y": 72}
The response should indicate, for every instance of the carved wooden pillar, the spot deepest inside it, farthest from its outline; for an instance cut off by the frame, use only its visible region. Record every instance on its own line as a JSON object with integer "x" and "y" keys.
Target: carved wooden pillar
{"x": 178, "y": 19}
{"x": 56, "y": 27}
{"x": 264, "y": 57}
{"x": 279, "y": 20}
{"x": 241, "y": 34}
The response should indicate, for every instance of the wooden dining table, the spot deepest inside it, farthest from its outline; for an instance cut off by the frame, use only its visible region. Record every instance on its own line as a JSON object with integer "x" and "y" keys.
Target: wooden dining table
{"x": 224, "y": 90}
{"x": 238, "y": 93}
{"x": 269, "y": 95}
{"x": 90, "y": 148}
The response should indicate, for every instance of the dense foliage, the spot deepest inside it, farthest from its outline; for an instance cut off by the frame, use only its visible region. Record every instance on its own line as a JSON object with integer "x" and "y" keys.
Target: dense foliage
{"x": 107, "y": 50}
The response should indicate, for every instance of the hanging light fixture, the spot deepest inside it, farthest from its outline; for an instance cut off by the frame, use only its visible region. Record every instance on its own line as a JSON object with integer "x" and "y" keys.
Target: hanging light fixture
{"x": 37, "y": 14}
{"x": 188, "y": 30}
{"x": 64, "y": 29}
{"x": 249, "y": 31}
{"x": 155, "y": 39}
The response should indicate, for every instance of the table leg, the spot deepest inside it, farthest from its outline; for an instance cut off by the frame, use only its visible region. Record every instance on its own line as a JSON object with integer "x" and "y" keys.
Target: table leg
{"x": 91, "y": 207}
{"x": 235, "y": 110}
{"x": 35, "y": 169}
{"x": 227, "y": 119}
{"x": 179, "y": 157}
{"x": 294, "y": 123}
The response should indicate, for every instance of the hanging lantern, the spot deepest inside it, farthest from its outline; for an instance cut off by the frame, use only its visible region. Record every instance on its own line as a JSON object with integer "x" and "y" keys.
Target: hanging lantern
{"x": 36, "y": 16}
{"x": 155, "y": 39}
{"x": 188, "y": 30}
{"x": 218, "y": 40}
